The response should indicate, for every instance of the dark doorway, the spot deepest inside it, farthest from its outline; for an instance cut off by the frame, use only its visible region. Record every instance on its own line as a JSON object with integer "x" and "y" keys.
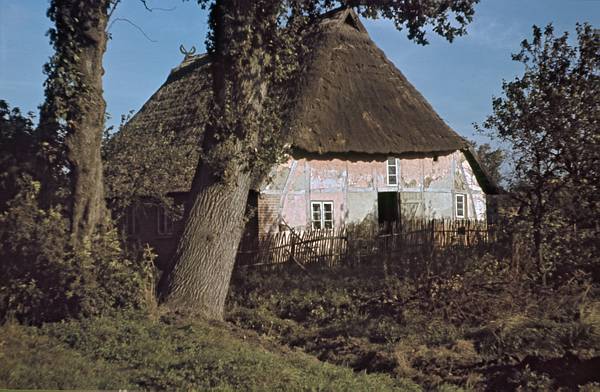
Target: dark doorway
{"x": 251, "y": 229}
{"x": 249, "y": 241}
{"x": 387, "y": 207}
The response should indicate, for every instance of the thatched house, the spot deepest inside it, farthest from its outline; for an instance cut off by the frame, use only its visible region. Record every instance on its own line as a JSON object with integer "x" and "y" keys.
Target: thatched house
{"x": 369, "y": 146}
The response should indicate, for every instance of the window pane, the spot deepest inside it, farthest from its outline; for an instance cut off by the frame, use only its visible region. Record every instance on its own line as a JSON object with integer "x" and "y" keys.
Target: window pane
{"x": 316, "y": 215}
{"x": 460, "y": 206}
{"x": 328, "y": 215}
{"x": 131, "y": 220}
{"x": 392, "y": 172}
{"x": 161, "y": 220}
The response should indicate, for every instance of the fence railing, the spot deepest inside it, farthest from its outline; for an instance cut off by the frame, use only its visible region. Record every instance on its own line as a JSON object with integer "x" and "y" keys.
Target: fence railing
{"x": 357, "y": 242}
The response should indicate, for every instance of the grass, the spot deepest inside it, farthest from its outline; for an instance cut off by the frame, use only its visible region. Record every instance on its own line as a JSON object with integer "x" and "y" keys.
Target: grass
{"x": 133, "y": 352}
{"x": 346, "y": 329}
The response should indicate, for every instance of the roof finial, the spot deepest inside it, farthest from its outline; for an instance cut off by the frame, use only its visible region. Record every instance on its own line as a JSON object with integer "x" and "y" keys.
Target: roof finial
{"x": 187, "y": 53}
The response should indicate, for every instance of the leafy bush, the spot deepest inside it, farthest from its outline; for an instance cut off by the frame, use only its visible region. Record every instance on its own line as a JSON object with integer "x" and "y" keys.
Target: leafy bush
{"x": 42, "y": 279}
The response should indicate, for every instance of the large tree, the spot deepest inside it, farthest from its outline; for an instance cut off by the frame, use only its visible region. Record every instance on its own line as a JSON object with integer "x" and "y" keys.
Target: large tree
{"x": 72, "y": 116}
{"x": 550, "y": 118}
{"x": 256, "y": 48}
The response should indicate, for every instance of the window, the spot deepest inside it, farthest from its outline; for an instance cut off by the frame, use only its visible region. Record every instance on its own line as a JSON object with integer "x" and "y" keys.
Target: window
{"x": 392, "y": 171}
{"x": 165, "y": 223}
{"x": 461, "y": 206}
{"x": 321, "y": 214}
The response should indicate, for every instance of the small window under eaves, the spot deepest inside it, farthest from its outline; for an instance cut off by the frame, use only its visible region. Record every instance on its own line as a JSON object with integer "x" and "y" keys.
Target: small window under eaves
{"x": 392, "y": 171}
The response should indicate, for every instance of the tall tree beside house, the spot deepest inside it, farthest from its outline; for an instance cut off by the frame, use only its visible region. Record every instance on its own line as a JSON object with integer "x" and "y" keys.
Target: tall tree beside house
{"x": 54, "y": 262}
{"x": 550, "y": 116}
{"x": 72, "y": 117}
{"x": 256, "y": 48}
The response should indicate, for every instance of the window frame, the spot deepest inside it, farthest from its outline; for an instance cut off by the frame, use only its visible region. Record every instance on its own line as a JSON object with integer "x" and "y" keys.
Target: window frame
{"x": 321, "y": 221}
{"x": 164, "y": 226}
{"x": 388, "y": 165}
{"x": 464, "y": 205}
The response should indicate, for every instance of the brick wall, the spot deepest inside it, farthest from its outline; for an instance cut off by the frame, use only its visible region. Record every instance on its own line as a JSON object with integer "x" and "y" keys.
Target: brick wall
{"x": 268, "y": 212}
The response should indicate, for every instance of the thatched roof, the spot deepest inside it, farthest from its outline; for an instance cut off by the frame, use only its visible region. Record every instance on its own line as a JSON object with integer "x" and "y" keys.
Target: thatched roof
{"x": 355, "y": 100}
{"x": 180, "y": 104}
{"x": 352, "y": 100}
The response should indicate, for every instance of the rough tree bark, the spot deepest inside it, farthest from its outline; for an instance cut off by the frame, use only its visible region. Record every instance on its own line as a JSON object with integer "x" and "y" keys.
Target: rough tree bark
{"x": 76, "y": 105}
{"x": 214, "y": 219}
{"x": 205, "y": 256}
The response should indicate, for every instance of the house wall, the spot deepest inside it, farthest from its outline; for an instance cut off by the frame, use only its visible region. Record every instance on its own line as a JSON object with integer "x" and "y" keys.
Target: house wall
{"x": 426, "y": 186}
{"x": 140, "y": 225}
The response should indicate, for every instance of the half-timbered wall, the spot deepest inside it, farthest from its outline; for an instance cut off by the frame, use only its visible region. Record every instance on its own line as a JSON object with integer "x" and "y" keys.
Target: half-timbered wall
{"x": 426, "y": 187}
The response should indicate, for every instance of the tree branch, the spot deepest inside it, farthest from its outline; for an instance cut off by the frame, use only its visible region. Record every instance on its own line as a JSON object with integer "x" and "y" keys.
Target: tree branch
{"x": 150, "y": 9}
{"x": 134, "y": 25}
{"x": 113, "y": 8}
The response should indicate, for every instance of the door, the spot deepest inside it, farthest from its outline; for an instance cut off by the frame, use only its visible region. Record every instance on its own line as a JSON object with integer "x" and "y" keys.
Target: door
{"x": 387, "y": 207}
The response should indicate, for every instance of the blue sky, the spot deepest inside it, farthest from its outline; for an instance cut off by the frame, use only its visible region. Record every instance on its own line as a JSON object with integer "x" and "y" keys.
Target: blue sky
{"x": 458, "y": 79}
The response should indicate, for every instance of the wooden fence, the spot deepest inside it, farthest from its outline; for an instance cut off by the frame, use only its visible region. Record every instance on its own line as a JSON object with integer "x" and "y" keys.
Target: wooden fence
{"x": 356, "y": 243}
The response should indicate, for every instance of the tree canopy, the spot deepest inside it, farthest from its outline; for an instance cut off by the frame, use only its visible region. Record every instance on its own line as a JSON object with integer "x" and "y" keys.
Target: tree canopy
{"x": 550, "y": 117}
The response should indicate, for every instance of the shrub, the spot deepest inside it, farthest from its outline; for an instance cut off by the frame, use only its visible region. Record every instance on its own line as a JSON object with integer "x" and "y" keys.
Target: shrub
{"x": 478, "y": 326}
{"x": 42, "y": 279}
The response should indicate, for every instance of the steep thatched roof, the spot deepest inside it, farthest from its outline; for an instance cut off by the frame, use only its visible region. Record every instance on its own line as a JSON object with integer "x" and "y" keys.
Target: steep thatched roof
{"x": 180, "y": 104}
{"x": 355, "y": 100}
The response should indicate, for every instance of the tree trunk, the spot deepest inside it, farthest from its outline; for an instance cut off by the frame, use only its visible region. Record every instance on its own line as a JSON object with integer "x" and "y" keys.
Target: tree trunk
{"x": 88, "y": 207}
{"x": 73, "y": 114}
{"x": 538, "y": 234}
{"x": 205, "y": 256}
{"x": 201, "y": 269}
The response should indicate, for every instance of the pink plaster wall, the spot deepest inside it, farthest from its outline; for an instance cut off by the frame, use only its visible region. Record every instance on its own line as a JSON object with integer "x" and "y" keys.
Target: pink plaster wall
{"x": 297, "y": 182}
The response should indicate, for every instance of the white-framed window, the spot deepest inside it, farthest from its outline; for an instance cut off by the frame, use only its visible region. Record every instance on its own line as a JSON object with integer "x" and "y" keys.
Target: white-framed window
{"x": 392, "y": 171}
{"x": 164, "y": 221}
{"x": 321, "y": 214}
{"x": 460, "y": 205}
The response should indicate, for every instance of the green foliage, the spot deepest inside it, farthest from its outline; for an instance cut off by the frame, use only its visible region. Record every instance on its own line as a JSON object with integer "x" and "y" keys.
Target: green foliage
{"x": 32, "y": 360}
{"x": 43, "y": 279}
{"x": 130, "y": 351}
{"x": 17, "y": 150}
{"x": 549, "y": 117}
